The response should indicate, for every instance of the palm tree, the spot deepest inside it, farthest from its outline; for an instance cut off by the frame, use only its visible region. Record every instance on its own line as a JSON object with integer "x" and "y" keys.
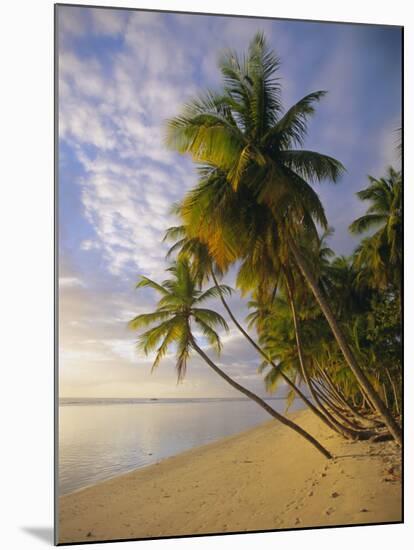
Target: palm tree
{"x": 379, "y": 256}
{"x": 245, "y": 145}
{"x": 177, "y": 313}
{"x": 203, "y": 269}
{"x": 347, "y": 431}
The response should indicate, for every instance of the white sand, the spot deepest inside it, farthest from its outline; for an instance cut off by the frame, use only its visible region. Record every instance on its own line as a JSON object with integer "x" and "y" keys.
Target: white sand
{"x": 265, "y": 478}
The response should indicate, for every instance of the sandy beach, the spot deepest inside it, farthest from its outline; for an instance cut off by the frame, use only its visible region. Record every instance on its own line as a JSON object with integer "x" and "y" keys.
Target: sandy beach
{"x": 265, "y": 478}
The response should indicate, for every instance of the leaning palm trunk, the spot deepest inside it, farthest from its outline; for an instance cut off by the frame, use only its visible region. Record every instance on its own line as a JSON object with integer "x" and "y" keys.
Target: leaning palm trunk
{"x": 394, "y": 389}
{"x": 327, "y": 392}
{"x": 282, "y": 419}
{"x": 335, "y": 407}
{"x": 330, "y": 419}
{"x": 326, "y": 382}
{"x": 332, "y": 401}
{"x": 362, "y": 379}
{"x": 346, "y": 402}
{"x": 384, "y": 391}
{"x": 288, "y": 381}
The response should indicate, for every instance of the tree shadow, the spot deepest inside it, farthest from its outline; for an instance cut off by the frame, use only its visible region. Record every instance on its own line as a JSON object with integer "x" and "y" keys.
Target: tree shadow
{"x": 43, "y": 533}
{"x": 365, "y": 455}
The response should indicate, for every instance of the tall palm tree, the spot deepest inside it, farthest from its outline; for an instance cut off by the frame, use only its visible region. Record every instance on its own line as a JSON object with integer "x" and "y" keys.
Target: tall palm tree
{"x": 203, "y": 269}
{"x": 379, "y": 257}
{"x": 177, "y": 313}
{"x": 347, "y": 431}
{"x": 244, "y": 143}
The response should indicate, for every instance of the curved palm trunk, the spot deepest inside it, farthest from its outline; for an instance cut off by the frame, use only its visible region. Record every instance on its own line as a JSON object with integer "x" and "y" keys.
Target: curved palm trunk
{"x": 384, "y": 391}
{"x": 283, "y": 420}
{"x": 288, "y": 381}
{"x": 334, "y": 396}
{"x": 330, "y": 398}
{"x": 362, "y": 379}
{"x": 337, "y": 409}
{"x": 346, "y": 402}
{"x": 336, "y": 393}
{"x": 394, "y": 389}
{"x": 330, "y": 419}
{"x": 326, "y": 395}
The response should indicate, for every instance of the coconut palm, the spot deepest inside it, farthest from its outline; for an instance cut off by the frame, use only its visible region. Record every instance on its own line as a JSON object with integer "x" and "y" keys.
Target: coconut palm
{"x": 247, "y": 150}
{"x": 178, "y": 313}
{"x": 293, "y": 350}
{"x": 204, "y": 269}
{"x": 379, "y": 256}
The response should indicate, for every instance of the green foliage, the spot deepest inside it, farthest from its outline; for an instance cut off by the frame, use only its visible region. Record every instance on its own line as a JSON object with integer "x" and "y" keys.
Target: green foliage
{"x": 254, "y": 186}
{"x": 255, "y": 195}
{"x": 176, "y": 313}
{"x": 379, "y": 256}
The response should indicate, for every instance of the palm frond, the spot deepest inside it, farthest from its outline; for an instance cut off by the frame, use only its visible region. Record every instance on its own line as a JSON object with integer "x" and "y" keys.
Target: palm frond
{"x": 169, "y": 338}
{"x": 312, "y": 166}
{"x": 210, "y": 317}
{"x": 263, "y": 65}
{"x": 214, "y": 292}
{"x": 292, "y": 127}
{"x": 174, "y": 233}
{"x": 365, "y": 223}
{"x": 183, "y": 353}
{"x": 149, "y": 340}
{"x": 146, "y": 319}
{"x": 211, "y": 335}
{"x": 146, "y": 282}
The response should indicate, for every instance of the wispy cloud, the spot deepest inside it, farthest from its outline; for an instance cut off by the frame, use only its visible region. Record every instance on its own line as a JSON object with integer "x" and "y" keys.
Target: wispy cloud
{"x": 121, "y": 75}
{"x": 65, "y": 282}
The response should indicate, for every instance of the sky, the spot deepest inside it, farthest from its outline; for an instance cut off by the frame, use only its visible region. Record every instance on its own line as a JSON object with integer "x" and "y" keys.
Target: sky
{"x": 122, "y": 74}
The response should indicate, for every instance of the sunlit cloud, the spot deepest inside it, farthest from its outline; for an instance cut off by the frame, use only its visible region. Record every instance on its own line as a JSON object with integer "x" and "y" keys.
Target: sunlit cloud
{"x": 121, "y": 75}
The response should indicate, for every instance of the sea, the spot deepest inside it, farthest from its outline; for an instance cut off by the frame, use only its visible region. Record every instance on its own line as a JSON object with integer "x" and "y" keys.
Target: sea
{"x": 102, "y": 438}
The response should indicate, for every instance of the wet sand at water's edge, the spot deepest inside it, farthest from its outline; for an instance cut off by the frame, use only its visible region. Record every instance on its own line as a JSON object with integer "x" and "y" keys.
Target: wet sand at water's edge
{"x": 265, "y": 478}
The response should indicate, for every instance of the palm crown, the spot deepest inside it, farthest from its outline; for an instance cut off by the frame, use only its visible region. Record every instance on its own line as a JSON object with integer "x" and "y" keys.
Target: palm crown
{"x": 177, "y": 313}
{"x": 379, "y": 256}
{"x": 254, "y": 200}
{"x": 243, "y": 142}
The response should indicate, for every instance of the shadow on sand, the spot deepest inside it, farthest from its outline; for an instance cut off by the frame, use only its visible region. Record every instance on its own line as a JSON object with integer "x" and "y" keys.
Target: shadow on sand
{"x": 366, "y": 455}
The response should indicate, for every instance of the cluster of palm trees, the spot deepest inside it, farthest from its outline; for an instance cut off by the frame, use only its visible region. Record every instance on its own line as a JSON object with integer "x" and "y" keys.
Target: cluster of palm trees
{"x": 328, "y": 327}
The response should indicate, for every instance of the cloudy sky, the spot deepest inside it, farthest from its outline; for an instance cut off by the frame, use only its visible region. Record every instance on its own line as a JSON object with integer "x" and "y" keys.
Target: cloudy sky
{"x": 121, "y": 75}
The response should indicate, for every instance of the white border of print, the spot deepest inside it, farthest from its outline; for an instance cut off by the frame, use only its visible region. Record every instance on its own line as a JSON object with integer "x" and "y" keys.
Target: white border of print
{"x": 26, "y": 218}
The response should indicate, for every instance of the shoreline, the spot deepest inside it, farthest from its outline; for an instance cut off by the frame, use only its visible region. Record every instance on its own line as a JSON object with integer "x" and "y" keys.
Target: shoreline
{"x": 264, "y": 478}
{"x": 182, "y": 454}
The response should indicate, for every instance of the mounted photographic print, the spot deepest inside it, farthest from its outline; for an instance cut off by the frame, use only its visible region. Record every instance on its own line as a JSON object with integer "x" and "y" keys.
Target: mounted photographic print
{"x": 229, "y": 262}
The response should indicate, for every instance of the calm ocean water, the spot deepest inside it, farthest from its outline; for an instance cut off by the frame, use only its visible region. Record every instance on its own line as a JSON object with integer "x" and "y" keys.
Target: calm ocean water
{"x": 99, "y": 439}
